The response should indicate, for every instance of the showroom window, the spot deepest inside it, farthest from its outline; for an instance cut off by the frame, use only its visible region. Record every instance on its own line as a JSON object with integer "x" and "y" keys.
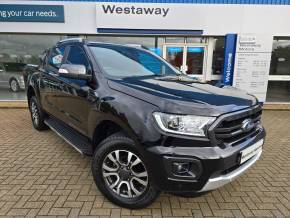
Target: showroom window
{"x": 279, "y": 79}
{"x": 20, "y": 50}
{"x": 148, "y": 42}
{"x": 218, "y": 55}
{"x": 196, "y": 40}
{"x": 151, "y": 43}
{"x": 179, "y": 40}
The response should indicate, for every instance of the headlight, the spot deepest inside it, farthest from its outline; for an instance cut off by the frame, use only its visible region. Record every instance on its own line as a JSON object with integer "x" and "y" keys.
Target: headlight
{"x": 183, "y": 124}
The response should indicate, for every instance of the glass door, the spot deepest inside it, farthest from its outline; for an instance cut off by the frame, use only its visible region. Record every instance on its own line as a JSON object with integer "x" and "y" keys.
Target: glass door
{"x": 189, "y": 59}
{"x": 175, "y": 56}
{"x": 194, "y": 63}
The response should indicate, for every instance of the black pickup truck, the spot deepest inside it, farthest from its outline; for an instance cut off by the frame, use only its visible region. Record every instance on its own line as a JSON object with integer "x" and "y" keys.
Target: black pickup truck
{"x": 147, "y": 126}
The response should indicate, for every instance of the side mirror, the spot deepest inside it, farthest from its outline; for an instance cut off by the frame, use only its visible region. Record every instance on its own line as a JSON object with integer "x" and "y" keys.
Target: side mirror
{"x": 74, "y": 71}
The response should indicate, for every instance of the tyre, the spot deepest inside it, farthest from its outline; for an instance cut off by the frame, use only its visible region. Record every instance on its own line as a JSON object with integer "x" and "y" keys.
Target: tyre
{"x": 37, "y": 115}
{"x": 120, "y": 173}
{"x": 14, "y": 85}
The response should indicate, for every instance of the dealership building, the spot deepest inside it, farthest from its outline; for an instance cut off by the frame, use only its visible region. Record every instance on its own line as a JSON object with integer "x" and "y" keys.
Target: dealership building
{"x": 243, "y": 43}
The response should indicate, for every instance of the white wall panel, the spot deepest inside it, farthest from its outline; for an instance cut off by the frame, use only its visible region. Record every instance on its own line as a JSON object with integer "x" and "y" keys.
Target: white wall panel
{"x": 84, "y": 18}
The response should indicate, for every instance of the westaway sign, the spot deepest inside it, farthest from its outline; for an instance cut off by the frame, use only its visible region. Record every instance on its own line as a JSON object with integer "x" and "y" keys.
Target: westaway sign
{"x": 113, "y": 9}
{"x": 143, "y": 18}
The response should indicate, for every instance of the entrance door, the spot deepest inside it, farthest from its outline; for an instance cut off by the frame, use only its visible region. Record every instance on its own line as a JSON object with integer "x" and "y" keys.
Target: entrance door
{"x": 189, "y": 59}
{"x": 194, "y": 57}
{"x": 175, "y": 56}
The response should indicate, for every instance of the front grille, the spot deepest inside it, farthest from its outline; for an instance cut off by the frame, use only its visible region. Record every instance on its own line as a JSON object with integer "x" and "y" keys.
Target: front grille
{"x": 228, "y": 130}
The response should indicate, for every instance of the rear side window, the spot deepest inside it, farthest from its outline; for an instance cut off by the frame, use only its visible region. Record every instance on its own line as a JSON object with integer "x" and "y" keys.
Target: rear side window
{"x": 56, "y": 57}
{"x": 77, "y": 56}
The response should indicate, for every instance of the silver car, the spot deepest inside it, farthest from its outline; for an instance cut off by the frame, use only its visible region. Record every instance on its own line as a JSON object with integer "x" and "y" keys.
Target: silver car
{"x": 11, "y": 76}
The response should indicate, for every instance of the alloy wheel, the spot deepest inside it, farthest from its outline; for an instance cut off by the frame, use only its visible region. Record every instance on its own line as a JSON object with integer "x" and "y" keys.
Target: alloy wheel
{"x": 125, "y": 173}
{"x": 34, "y": 113}
{"x": 13, "y": 85}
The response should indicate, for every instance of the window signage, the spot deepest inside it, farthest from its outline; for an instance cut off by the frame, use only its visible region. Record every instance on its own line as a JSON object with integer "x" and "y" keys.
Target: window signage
{"x": 252, "y": 64}
{"x": 31, "y": 13}
{"x": 195, "y": 49}
{"x": 175, "y": 49}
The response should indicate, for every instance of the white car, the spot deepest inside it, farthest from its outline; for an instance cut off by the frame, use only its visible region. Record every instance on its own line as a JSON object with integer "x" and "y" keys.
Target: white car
{"x": 12, "y": 76}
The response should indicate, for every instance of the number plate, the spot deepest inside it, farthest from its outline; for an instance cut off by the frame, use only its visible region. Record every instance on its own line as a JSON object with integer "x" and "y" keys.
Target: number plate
{"x": 251, "y": 151}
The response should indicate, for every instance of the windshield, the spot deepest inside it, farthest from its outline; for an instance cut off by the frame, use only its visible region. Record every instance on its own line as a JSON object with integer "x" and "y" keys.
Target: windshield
{"x": 121, "y": 61}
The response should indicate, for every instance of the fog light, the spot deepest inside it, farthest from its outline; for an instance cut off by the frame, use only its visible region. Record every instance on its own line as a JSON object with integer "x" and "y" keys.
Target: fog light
{"x": 184, "y": 170}
{"x": 181, "y": 168}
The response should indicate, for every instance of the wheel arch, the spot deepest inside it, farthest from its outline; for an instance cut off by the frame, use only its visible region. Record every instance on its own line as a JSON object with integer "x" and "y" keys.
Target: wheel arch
{"x": 106, "y": 128}
{"x": 30, "y": 92}
{"x": 33, "y": 89}
{"x": 12, "y": 78}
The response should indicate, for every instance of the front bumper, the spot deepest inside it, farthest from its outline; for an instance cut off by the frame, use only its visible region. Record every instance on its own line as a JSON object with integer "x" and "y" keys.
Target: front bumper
{"x": 219, "y": 166}
{"x": 216, "y": 182}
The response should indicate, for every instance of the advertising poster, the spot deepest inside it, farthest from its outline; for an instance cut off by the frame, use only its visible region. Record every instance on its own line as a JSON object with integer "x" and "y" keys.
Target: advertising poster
{"x": 252, "y": 64}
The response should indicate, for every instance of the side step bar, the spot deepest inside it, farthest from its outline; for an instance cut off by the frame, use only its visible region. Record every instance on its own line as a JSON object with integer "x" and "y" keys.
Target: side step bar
{"x": 71, "y": 136}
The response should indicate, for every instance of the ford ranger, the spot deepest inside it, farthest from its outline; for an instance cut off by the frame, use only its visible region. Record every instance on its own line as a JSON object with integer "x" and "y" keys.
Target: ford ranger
{"x": 147, "y": 126}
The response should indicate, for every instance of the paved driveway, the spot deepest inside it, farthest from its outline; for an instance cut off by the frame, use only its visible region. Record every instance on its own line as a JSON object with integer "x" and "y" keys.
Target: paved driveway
{"x": 41, "y": 175}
